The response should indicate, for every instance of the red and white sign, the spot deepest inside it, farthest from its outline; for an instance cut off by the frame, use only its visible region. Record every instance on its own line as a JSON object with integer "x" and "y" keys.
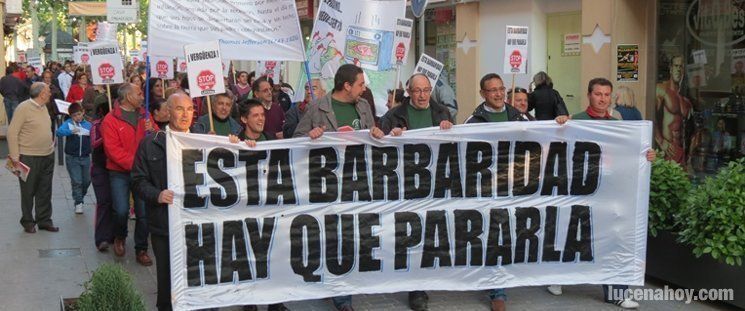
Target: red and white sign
{"x": 181, "y": 64}
{"x": 204, "y": 69}
{"x": 270, "y": 69}
{"x": 81, "y": 53}
{"x": 516, "y": 50}
{"x": 106, "y": 63}
{"x": 161, "y": 67}
{"x": 402, "y": 40}
{"x": 85, "y": 58}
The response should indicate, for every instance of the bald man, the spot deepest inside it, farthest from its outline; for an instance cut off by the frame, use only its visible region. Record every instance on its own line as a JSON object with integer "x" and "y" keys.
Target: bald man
{"x": 149, "y": 183}
{"x": 417, "y": 111}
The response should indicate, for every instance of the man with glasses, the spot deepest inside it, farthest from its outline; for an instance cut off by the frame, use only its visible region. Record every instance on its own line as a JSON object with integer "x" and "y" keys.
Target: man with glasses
{"x": 417, "y": 111}
{"x": 275, "y": 116}
{"x": 493, "y": 109}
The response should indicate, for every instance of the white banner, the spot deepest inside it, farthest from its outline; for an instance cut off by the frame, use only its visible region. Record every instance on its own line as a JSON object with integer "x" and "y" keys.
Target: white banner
{"x": 402, "y": 40}
{"x": 246, "y": 30}
{"x": 430, "y": 67}
{"x": 106, "y": 63}
{"x": 161, "y": 67}
{"x": 516, "y": 50}
{"x": 475, "y": 207}
{"x": 81, "y": 53}
{"x": 204, "y": 66}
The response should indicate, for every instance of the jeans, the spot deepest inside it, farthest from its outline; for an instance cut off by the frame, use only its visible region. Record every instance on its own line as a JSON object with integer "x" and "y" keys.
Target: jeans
{"x": 79, "y": 169}
{"x": 10, "y": 106}
{"x": 120, "y": 191}
{"x": 497, "y": 294}
{"x": 607, "y": 292}
{"x": 104, "y": 231}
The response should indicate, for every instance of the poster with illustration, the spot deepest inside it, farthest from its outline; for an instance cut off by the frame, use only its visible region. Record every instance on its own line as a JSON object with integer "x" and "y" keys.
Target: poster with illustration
{"x": 628, "y": 63}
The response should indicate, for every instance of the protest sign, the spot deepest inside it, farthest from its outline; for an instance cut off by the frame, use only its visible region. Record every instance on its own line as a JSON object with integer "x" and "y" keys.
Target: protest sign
{"x": 161, "y": 67}
{"x": 204, "y": 68}
{"x": 472, "y": 208}
{"x": 81, "y": 53}
{"x": 516, "y": 50}
{"x": 21, "y": 56}
{"x": 106, "y": 63}
{"x": 62, "y": 106}
{"x": 122, "y": 12}
{"x": 430, "y": 67}
{"x": 270, "y": 69}
{"x": 254, "y": 30}
{"x": 225, "y": 67}
{"x": 143, "y": 49}
{"x": 181, "y": 64}
{"x": 35, "y": 61}
{"x": 402, "y": 40}
{"x": 134, "y": 56}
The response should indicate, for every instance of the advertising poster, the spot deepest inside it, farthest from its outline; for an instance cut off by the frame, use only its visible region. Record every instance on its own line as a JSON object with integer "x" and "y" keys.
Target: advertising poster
{"x": 628, "y": 63}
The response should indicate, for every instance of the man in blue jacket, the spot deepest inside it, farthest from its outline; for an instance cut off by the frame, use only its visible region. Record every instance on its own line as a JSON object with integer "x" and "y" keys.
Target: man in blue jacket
{"x": 77, "y": 133}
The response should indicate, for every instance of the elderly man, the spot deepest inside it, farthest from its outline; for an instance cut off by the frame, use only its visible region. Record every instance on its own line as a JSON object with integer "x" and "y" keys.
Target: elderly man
{"x": 599, "y": 92}
{"x": 222, "y": 105}
{"x": 293, "y": 116}
{"x": 341, "y": 110}
{"x": 275, "y": 116}
{"x": 149, "y": 182}
{"x": 122, "y": 130}
{"x": 417, "y": 111}
{"x": 30, "y": 142}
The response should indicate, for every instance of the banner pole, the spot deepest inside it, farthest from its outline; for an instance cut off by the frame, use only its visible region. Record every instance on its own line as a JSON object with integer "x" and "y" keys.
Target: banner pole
{"x": 232, "y": 69}
{"x": 163, "y": 83}
{"x": 209, "y": 112}
{"x": 398, "y": 78}
{"x": 310, "y": 84}
{"x": 108, "y": 93}
{"x": 512, "y": 100}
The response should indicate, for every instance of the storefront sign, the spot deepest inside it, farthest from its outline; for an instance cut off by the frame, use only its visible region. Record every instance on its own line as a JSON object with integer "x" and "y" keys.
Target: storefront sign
{"x": 106, "y": 63}
{"x": 572, "y": 44}
{"x": 627, "y": 57}
{"x": 473, "y": 208}
{"x": 205, "y": 73}
{"x": 708, "y": 20}
{"x": 516, "y": 50}
{"x": 430, "y": 67}
{"x": 304, "y": 9}
{"x": 122, "y": 12}
{"x": 259, "y": 30}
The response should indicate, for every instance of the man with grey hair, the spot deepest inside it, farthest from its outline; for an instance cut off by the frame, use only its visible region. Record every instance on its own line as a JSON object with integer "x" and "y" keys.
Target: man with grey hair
{"x": 419, "y": 110}
{"x": 30, "y": 142}
{"x": 122, "y": 129}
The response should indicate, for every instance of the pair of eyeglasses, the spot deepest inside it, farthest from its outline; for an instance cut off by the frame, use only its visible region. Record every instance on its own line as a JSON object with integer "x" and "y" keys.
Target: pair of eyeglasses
{"x": 420, "y": 91}
{"x": 500, "y": 90}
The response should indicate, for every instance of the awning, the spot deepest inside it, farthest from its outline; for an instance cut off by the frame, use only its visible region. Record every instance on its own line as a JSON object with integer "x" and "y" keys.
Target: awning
{"x": 86, "y": 8}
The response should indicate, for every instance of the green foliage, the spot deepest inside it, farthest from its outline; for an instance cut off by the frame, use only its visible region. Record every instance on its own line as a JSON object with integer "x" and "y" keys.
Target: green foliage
{"x": 669, "y": 187}
{"x": 110, "y": 288}
{"x": 712, "y": 218}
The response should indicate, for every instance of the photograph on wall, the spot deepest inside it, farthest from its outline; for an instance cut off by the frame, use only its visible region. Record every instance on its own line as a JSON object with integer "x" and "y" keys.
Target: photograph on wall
{"x": 628, "y": 63}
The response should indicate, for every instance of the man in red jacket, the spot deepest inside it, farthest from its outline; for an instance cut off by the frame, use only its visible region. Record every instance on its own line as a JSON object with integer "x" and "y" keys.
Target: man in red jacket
{"x": 122, "y": 130}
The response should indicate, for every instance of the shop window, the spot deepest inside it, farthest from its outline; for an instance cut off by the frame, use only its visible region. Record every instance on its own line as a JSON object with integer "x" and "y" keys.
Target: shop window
{"x": 699, "y": 117}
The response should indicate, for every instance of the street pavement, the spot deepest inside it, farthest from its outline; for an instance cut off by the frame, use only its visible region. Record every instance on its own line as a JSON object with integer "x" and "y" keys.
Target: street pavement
{"x": 37, "y": 269}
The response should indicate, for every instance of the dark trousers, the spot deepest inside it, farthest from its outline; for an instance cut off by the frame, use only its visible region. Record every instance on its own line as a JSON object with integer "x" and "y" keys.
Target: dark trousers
{"x": 104, "y": 231}
{"x": 121, "y": 189}
{"x": 608, "y": 294}
{"x": 36, "y": 191}
{"x": 161, "y": 250}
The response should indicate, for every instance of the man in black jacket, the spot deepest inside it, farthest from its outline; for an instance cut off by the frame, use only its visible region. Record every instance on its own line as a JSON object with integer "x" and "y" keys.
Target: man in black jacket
{"x": 149, "y": 181}
{"x": 417, "y": 111}
{"x": 493, "y": 109}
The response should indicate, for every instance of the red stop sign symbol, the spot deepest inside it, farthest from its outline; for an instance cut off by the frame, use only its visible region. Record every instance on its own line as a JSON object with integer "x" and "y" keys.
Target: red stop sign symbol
{"x": 516, "y": 59}
{"x": 206, "y": 80}
{"x": 400, "y": 51}
{"x": 161, "y": 68}
{"x": 85, "y": 58}
{"x": 106, "y": 71}
{"x": 182, "y": 66}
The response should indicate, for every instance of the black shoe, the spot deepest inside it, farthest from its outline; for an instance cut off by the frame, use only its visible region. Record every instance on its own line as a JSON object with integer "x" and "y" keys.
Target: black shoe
{"x": 277, "y": 307}
{"x": 418, "y": 300}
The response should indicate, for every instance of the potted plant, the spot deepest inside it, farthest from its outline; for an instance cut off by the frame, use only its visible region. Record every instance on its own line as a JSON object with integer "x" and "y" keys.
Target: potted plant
{"x": 669, "y": 187}
{"x": 110, "y": 288}
{"x": 706, "y": 244}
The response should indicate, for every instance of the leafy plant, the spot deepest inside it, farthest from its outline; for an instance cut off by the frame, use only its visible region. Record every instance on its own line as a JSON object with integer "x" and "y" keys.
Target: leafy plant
{"x": 669, "y": 187}
{"x": 712, "y": 218}
{"x": 110, "y": 288}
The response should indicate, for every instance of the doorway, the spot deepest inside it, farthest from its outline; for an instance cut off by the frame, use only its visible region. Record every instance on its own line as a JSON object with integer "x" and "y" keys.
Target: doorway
{"x": 564, "y": 68}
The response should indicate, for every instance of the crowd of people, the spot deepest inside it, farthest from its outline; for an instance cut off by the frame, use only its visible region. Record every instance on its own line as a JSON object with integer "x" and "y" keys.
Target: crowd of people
{"x": 119, "y": 147}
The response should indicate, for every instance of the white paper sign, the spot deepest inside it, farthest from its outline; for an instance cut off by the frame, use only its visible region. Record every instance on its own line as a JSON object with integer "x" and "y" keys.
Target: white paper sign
{"x": 181, "y": 64}
{"x": 430, "y": 67}
{"x": 402, "y": 40}
{"x": 258, "y": 30}
{"x": 738, "y": 62}
{"x": 21, "y": 56}
{"x": 161, "y": 67}
{"x": 204, "y": 66}
{"x": 134, "y": 56}
{"x": 226, "y": 67}
{"x": 62, "y": 106}
{"x": 516, "y": 50}
{"x": 106, "y": 32}
{"x": 288, "y": 222}
{"x": 699, "y": 57}
{"x": 270, "y": 69}
{"x": 106, "y": 63}
{"x": 81, "y": 54}
{"x": 143, "y": 49}
{"x": 78, "y": 130}
{"x": 36, "y": 62}
{"x": 122, "y": 12}
{"x": 572, "y": 43}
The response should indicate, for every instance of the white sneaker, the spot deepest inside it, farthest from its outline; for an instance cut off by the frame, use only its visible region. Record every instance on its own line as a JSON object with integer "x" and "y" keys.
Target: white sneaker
{"x": 555, "y": 290}
{"x": 79, "y": 208}
{"x": 628, "y": 304}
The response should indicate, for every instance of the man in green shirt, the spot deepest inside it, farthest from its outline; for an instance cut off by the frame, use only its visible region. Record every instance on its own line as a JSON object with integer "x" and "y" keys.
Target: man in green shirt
{"x": 493, "y": 109}
{"x": 222, "y": 105}
{"x": 253, "y": 116}
{"x": 599, "y": 92}
{"x": 417, "y": 111}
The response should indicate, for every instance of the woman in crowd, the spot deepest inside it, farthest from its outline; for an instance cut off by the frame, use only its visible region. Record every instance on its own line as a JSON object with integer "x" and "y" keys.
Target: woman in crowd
{"x": 156, "y": 90}
{"x": 625, "y": 104}
{"x": 135, "y": 79}
{"x": 77, "y": 90}
{"x": 242, "y": 87}
{"x": 546, "y": 101}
